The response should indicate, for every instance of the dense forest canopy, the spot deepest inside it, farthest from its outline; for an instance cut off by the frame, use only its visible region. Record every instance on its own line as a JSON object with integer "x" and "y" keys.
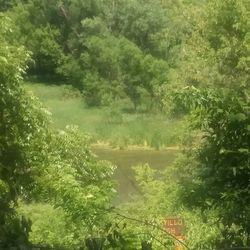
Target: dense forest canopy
{"x": 186, "y": 60}
{"x": 108, "y": 49}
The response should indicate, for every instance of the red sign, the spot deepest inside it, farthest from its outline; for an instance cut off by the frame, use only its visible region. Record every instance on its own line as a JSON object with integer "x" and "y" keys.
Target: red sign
{"x": 174, "y": 226}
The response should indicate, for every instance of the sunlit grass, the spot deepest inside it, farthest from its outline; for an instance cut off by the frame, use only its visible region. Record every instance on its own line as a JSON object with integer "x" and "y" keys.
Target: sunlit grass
{"x": 118, "y": 128}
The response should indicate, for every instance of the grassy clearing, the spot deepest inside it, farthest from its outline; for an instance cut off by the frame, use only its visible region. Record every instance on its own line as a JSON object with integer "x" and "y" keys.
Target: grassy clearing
{"x": 111, "y": 125}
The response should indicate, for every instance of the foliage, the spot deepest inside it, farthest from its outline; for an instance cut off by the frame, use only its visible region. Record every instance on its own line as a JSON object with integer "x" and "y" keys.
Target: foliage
{"x": 222, "y": 55}
{"x": 212, "y": 83}
{"x": 51, "y": 227}
{"x": 38, "y": 163}
{"x": 108, "y": 50}
{"x": 21, "y": 128}
{"x": 75, "y": 168}
{"x": 222, "y": 174}
{"x": 161, "y": 200}
{"x": 217, "y": 95}
{"x": 181, "y": 57}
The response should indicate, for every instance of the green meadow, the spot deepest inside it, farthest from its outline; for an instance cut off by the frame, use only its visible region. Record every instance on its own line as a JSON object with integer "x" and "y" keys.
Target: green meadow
{"x": 115, "y": 125}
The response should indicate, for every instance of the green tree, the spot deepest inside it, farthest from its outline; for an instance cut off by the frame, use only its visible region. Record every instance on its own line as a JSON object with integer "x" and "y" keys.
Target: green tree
{"x": 38, "y": 163}
{"x": 215, "y": 61}
{"x": 86, "y": 43}
{"x": 19, "y": 135}
{"x": 217, "y": 54}
{"x": 220, "y": 175}
{"x": 6, "y": 4}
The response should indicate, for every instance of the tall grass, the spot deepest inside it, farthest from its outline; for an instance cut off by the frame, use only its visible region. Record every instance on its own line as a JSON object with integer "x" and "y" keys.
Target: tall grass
{"x": 112, "y": 124}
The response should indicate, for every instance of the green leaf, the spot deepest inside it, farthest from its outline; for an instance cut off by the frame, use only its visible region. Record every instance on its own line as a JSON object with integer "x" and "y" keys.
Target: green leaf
{"x": 243, "y": 150}
{"x": 3, "y": 59}
{"x": 238, "y": 117}
{"x": 234, "y": 171}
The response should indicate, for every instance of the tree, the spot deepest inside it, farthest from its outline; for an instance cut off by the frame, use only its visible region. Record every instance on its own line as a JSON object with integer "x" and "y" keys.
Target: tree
{"x": 6, "y": 4}
{"x": 19, "y": 135}
{"x": 216, "y": 62}
{"x": 221, "y": 57}
{"x": 38, "y": 163}
{"x": 86, "y": 43}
